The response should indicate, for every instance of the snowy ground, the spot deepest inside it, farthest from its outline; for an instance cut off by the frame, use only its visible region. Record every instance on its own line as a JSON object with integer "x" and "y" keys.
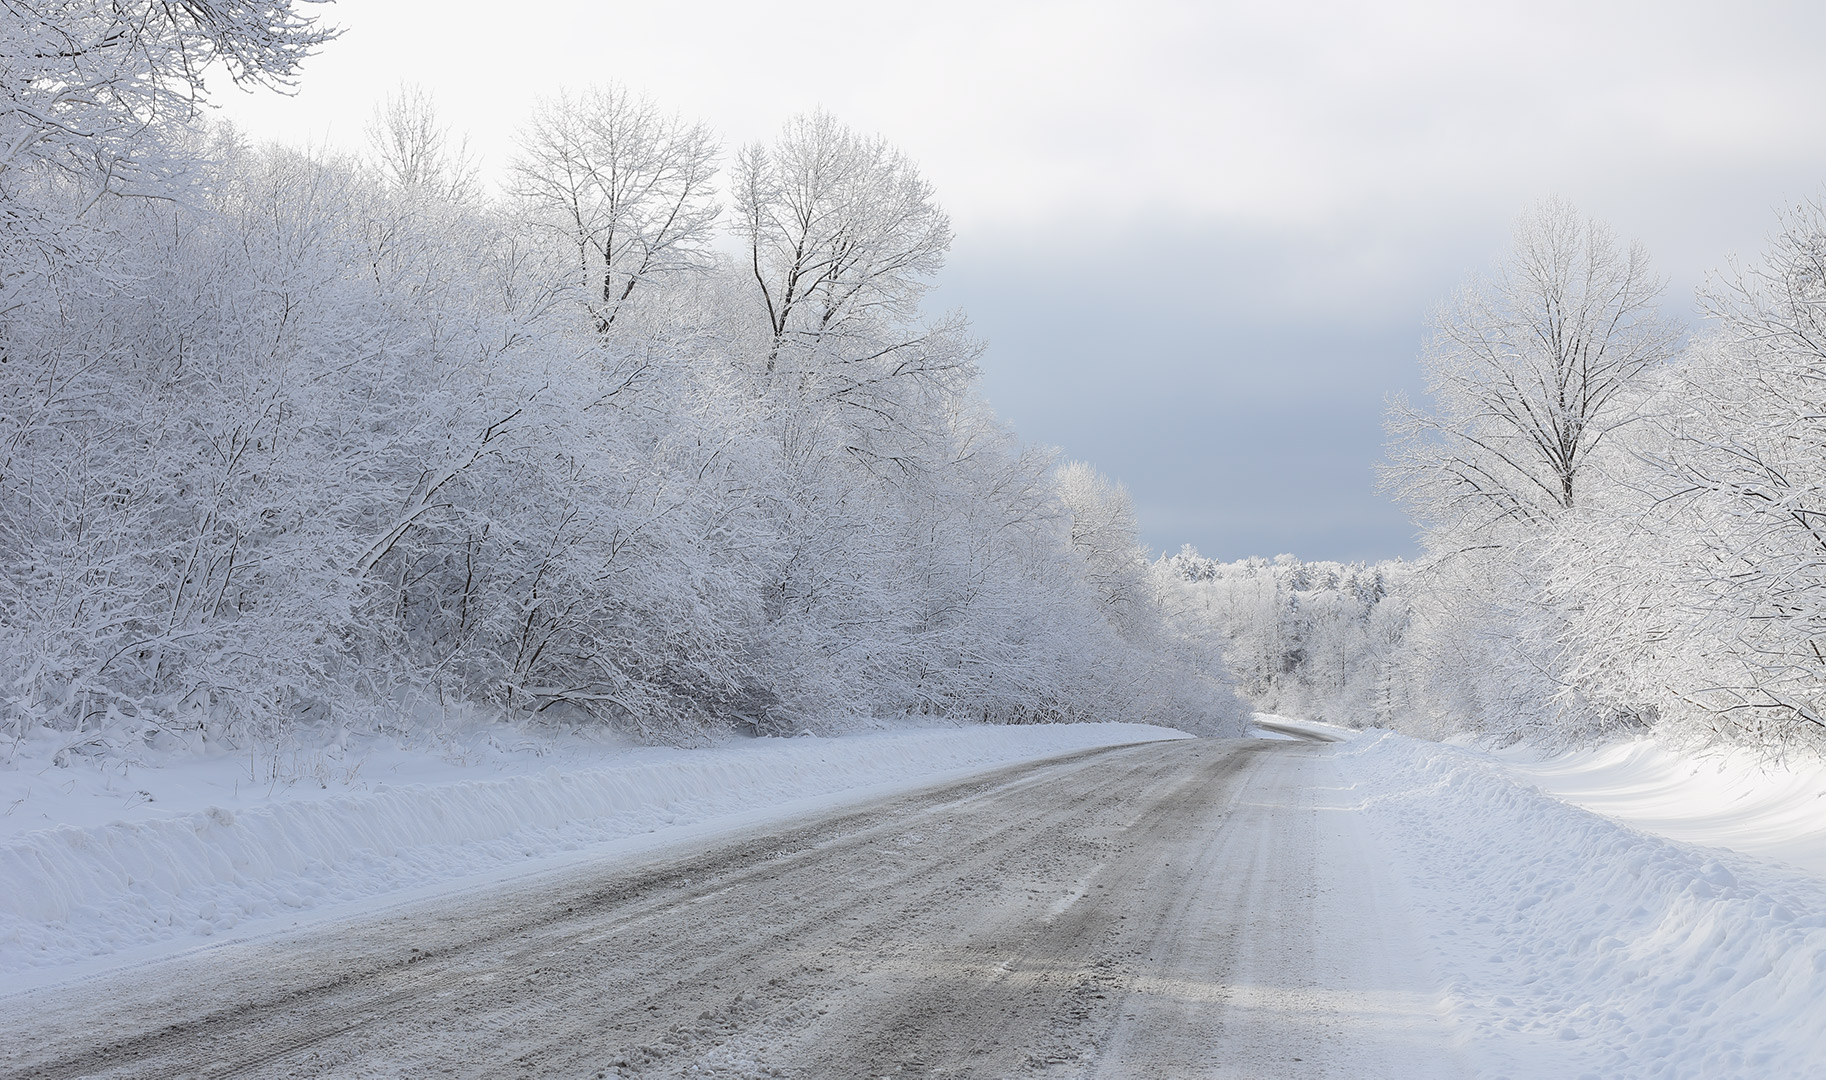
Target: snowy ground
{"x": 1647, "y": 936}
{"x": 1369, "y": 906}
{"x": 100, "y": 863}
{"x": 1740, "y": 800}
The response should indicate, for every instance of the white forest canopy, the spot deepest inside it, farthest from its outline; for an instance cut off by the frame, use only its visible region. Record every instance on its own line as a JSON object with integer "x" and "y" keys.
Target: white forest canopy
{"x": 291, "y": 440}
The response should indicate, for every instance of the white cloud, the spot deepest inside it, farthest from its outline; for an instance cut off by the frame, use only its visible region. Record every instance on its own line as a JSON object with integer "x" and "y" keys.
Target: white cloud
{"x": 1038, "y": 112}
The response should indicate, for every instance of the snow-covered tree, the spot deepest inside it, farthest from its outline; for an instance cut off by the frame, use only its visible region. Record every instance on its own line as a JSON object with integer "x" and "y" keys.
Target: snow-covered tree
{"x": 91, "y": 84}
{"x": 1529, "y": 372}
{"x": 1703, "y": 595}
{"x": 628, "y": 189}
{"x": 414, "y": 149}
{"x": 842, "y": 233}
{"x": 1536, "y": 376}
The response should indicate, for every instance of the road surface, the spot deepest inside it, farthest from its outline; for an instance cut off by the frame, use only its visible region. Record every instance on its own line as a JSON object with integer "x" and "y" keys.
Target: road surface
{"x": 1198, "y": 908}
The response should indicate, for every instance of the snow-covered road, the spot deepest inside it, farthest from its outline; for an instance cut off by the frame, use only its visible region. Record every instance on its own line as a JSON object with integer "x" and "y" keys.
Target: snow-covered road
{"x": 1028, "y": 902}
{"x": 1186, "y": 908}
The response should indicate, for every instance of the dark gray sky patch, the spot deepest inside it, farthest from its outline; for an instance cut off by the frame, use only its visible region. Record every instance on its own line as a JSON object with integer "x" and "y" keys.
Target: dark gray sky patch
{"x": 1244, "y": 417}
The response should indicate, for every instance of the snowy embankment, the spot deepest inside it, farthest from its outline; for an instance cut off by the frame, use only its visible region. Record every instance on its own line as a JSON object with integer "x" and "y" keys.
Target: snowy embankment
{"x": 177, "y": 871}
{"x": 1566, "y": 933}
{"x": 1733, "y": 798}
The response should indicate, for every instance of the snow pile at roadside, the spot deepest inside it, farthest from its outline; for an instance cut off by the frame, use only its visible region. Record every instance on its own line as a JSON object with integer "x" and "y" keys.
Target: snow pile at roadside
{"x": 1641, "y": 956}
{"x": 1737, "y": 798}
{"x": 72, "y": 892}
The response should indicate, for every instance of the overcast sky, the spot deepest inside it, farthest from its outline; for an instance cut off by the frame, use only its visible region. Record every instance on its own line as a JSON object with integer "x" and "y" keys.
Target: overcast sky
{"x": 1200, "y": 239}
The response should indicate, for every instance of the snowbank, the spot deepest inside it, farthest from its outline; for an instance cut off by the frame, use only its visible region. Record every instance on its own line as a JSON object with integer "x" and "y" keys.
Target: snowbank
{"x": 1639, "y": 955}
{"x": 1732, "y": 798}
{"x": 73, "y": 891}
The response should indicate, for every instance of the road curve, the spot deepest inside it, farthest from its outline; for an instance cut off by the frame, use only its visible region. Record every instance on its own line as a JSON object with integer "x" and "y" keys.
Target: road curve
{"x": 1298, "y": 731}
{"x": 1179, "y": 909}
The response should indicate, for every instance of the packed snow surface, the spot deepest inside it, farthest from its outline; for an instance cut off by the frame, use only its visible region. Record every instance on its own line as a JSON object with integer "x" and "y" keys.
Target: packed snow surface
{"x": 100, "y": 860}
{"x": 1637, "y": 954}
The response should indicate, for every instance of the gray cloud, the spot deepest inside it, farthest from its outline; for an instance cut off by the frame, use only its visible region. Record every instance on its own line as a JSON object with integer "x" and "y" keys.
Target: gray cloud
{"x": 1244, "y": 416}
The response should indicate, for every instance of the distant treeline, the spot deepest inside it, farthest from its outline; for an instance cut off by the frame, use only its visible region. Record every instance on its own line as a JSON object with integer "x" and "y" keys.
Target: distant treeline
{"x": 1322, "y": 640}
